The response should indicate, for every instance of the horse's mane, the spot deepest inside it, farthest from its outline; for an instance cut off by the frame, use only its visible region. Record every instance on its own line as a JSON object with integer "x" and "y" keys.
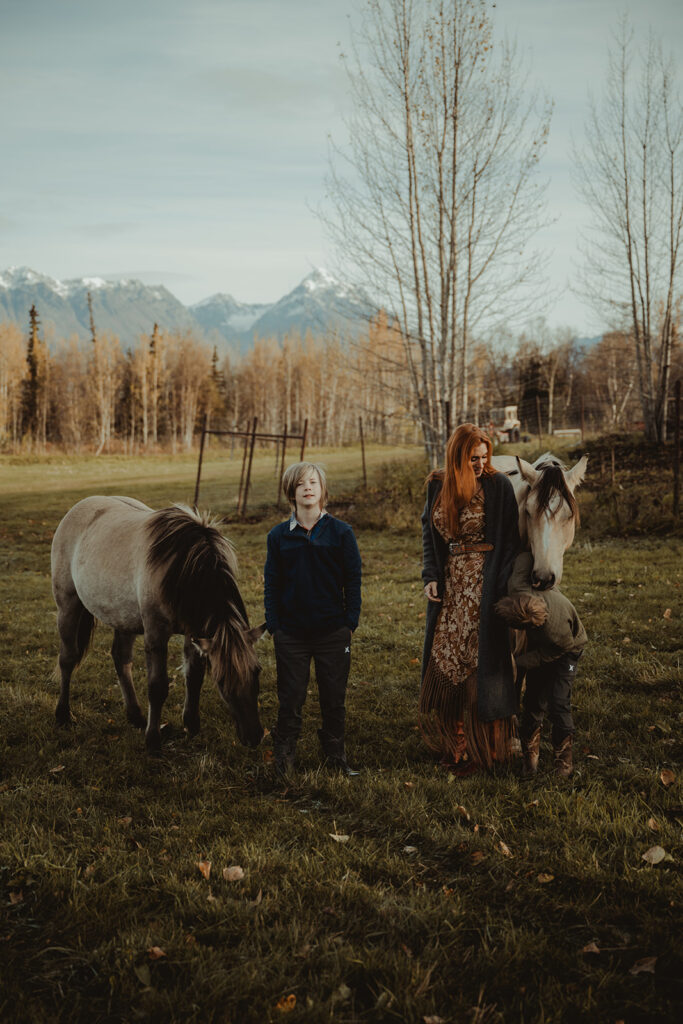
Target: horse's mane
{"x": 198, "y": 567}
{"x": 551, "y": 482}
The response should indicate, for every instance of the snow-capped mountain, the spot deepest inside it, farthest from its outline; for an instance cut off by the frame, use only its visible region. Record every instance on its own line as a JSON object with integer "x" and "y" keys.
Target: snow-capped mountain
{"x": 129, "y": 308}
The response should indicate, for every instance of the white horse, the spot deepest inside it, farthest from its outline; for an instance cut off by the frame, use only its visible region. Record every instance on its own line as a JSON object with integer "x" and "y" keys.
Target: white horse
{"x": 155, "y": 573}
{"x": 548, "y": 512}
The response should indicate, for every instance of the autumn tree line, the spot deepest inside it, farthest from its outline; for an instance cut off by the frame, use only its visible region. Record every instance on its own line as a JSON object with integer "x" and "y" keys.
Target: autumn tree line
{"x": 155, "y": 395}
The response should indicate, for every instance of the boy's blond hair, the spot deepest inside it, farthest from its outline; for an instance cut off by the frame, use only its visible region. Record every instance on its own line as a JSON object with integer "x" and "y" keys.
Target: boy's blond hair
{"x": 292, "y": 477}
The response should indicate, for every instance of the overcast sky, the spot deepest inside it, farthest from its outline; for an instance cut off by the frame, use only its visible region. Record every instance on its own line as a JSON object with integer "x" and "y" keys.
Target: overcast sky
{"x": 185, "y": 142}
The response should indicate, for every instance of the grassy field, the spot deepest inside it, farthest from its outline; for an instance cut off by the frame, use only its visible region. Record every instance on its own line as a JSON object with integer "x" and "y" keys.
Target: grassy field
{"x": 480, "y": 900}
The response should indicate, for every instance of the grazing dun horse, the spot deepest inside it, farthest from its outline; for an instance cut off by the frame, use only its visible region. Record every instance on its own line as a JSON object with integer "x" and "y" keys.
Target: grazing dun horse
{"x": 156, "y": 574}
{"x": 548, "y": 511}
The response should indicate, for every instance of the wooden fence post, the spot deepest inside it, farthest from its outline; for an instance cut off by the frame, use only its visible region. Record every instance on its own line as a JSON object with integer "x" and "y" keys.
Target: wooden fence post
{"x": 282, "y": 464}
{"x": 199, "y": 466}
{"x": 583, "y": 422}
{"x": 303, "y": 440}
{"x": 251, "y": 457}
{"x": 362, "y": 450}
{"x": 244, "y": 463}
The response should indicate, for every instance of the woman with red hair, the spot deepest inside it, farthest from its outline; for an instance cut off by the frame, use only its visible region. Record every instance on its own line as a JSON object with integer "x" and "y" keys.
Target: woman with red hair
{"x": 470, "y": 538}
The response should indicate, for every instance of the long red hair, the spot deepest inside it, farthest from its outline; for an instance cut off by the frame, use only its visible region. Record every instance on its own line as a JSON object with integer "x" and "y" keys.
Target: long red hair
{"x": 459, "y": 481}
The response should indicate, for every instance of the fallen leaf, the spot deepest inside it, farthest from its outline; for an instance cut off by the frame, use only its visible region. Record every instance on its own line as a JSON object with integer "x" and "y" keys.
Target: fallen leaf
{"x": 143, "y": 974}
{"x": 58, "y": 768}
{"x": 125, "y": 821}
{"x": 89, "y": 871}
{"x": 204, "y": 867}
{"x": 233, "y": 874}
{"x": 627, "y": 639}
{"x": 409, "y": 785}
{"x": 652, "y": 825}
{"x": 410, "y": 849}
{"x": 646, "y": 965}
{"x": 667, "y": 777}
{"x": 16, "y": 897}
{"x": 414, "y": 661}
{"x": 268, "y": 755}
{"x": 286, "y": 1004}
{"x": 477, "y": 856}
{"x": 534, "y": 803}
{"x": 504, "y": 849}
{"x": 667, "y": 613}
{"x": 590, "y": 947}
{"x": 155, "y": 952}
{"x": 654, "y": 855}
{"x": 543, "y": 878}
{"x": 337, "y": 838}
{"x": 211, "y": 898}
{"x": 462, "y": 811}
{"x": 433, "y": 1018}
{"x": 343, "y": 992}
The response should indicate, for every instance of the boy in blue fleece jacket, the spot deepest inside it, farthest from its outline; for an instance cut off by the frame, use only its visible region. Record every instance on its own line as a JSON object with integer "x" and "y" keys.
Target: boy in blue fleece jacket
{"x": 312, "y": 596}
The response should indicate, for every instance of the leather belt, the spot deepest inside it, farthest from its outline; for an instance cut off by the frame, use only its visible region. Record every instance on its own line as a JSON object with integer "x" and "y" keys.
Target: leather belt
{"x": 454, "y": 548}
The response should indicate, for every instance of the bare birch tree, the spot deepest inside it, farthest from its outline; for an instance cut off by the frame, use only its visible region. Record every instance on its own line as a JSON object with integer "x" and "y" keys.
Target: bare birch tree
{"x": 436, "y": 197}
{"x": 630, "y": 174}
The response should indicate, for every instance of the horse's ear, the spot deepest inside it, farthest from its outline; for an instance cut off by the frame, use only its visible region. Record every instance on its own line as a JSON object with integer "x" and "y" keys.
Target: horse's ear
{"x": 256, "y": 633}
{"x": 576, "y": 474}
{"x": 528, "y": 472}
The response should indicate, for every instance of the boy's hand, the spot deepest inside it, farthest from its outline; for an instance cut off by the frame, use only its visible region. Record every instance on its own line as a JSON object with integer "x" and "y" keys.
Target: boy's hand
{"x": 431, "y": 591}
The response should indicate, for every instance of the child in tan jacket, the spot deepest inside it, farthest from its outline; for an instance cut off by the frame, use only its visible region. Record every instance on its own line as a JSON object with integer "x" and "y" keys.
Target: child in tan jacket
{"x": 555, "y": 641}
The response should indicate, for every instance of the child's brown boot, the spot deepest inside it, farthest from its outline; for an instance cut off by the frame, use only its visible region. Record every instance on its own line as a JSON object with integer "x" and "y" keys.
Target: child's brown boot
{"x": 564, "y": 762}
{"x": 531, "y": 749}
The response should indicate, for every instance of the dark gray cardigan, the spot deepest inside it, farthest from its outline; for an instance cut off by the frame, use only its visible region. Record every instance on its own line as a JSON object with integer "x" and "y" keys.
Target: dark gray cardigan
{"x": 496, "y": 696}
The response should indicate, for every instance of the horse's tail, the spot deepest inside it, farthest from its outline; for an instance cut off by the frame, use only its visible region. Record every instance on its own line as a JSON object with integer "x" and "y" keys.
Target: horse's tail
{"x": 198, "y": 567}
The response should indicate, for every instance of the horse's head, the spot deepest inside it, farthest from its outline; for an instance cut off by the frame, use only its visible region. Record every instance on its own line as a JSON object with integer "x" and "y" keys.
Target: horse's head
{"x": 236, "y": 670}
{"x": 550, "y": 515}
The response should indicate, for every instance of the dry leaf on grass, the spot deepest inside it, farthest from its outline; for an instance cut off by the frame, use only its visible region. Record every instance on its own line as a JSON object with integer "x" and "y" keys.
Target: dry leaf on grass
{"x": 125, "y": 821}
{"x": 433, "y": 1018}
{"x": 504, "y": 849}
{"x": 667, "y": 777}
{"x": 233, "y": 874}
{"x": 156, "y": 952}
{"x": 646, "y": 965}
{"x": 16, "y": 897}
{"x": 544, "y": 878}
{"x": 410, "y": 849}
{"x": 338, "y": 838}
{"x": 286, "y": 1004}
{"x": 462, "y": 811}
{"x": 204, "y": 867}
{"x": 58, "y": 768}
{"x": 654, "y": 855}
{"x": 409, "y": 785}
{"x": 591, "y": 947}
{"x": 667, "y": 613}
{"x": 477, "y": 856}
{"x": 652, "y": 825}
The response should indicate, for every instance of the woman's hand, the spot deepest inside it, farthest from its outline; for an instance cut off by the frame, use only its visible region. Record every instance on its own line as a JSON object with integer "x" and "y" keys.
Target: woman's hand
{"x": 431, "y": 591}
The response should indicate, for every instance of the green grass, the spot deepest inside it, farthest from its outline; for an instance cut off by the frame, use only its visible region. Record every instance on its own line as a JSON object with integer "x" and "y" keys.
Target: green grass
{"x": 421, "y": 912}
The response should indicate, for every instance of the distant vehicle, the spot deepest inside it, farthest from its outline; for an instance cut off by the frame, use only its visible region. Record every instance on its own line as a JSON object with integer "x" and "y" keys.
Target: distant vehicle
{"x": 504, "y": 424}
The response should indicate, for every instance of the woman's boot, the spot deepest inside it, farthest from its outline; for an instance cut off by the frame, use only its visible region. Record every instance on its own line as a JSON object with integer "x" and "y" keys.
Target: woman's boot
{"x": 564, "y": 762}
{"x": 531, "y": 750}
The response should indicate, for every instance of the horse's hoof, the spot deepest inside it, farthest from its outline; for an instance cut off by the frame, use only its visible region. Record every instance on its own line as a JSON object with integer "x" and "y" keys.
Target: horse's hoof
{"x": 137, "y": 719}
{"x": 64, "y": 719}
{"x": 191, "y": 728}
{"x": 153, "y": 745}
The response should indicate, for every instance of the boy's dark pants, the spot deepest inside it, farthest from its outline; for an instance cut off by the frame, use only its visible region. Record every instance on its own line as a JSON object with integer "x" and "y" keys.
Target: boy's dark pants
{"x": 549, "y": 691}
{"x": 331, "y": 654}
